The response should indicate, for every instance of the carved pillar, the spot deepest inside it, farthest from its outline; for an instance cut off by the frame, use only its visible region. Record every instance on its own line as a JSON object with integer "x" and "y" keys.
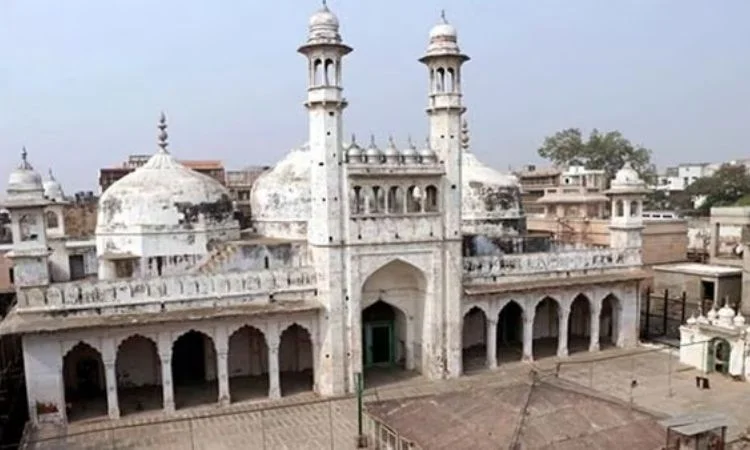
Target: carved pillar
{"x": 594, "y": 342}
{"x": 110, "y": 377}
{"x": 528, "y": 335}
{"x": 274, "y": 385}
{"x": 491, "y": 344}
{"x": 166, "y": 381}
{"x": 562, "y": 332}
{"x": 222, "y": 364}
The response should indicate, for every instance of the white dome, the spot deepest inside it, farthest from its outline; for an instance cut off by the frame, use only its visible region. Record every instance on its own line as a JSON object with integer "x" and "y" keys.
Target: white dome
{"x": 739, "y": 320}
{"x": 24, "y": 180}
{"x": 53, "y": 189}
{"x": 487, "y": 193}
{"x": 162, "y": 193}
{"x": 627, "y": 181}
{"x": 324, "y": 18}
{"x": 280, "y": 198}
{"x": 443, "y": 30}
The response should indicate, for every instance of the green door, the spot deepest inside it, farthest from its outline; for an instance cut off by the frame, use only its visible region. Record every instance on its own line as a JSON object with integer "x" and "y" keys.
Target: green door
{"x": 379, "y": 345}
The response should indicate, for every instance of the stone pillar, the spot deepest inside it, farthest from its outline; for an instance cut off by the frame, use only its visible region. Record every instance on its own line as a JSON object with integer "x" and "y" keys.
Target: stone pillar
{"x": 222, "y": 374}
{"x": 166, "y": 381}
{"x": 562, "y": 332}
{"x": 595, "y": 321}
{"x": 274, "y": 384}
{"x": 110, "y": 377}
{"x": 491, "y": 344}
{"x": 528, "y": 335}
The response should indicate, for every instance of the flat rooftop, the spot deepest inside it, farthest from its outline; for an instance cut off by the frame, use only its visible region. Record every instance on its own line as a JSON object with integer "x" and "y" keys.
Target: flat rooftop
{"x": 704, "y": 270}
{"x": 550, "y": 414}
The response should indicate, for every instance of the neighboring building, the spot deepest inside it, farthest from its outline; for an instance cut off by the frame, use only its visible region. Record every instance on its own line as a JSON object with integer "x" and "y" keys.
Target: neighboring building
{"x": 364, "y": 259}
{"x": 680, "y": 177}
{"x": 109, "y": 175}
{"x": 579, "y": 210}
{"x": 534, "y": 183}
{"x": 240, "y": 184}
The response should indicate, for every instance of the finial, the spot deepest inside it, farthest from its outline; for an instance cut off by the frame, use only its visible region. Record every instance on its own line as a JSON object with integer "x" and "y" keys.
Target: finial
{"x": 325, "y": 5}
{"x": 427, "y": 142}
{"x": 24, "y": 154}
{"x": 372, "y": 141}
{"x": 442, "y": 16}
{"x": 51, "y": 176}
{"x": 163, "y": 132}
{"x": 354, "y": 140}
{"x": 24, "y": 164}
{"x": 391, "y": 143}
{"x": 410, "y": 143}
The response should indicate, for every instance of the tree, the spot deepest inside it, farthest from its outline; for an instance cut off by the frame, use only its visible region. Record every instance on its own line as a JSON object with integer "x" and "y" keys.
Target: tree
{"x": 606, "y": 151}
{"x": 728, "y": 186}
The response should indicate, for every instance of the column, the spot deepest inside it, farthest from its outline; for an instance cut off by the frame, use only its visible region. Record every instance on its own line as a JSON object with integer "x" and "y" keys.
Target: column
{"x": 274, "y": 386}
{"x": 528, "y": 336}
{"x": 222, "y": 374}
{"x": 594, "y": 342}
{"x": 491, "y": 344}
{"x": 166, "y": 381}
{"x": 110, "y": 377}
{"x": 562, "y": 332}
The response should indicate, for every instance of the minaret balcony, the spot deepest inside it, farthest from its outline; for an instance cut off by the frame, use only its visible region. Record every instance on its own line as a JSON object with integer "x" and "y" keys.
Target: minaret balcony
{"x": 445, "y": 100}
{"x": 325, "y": 94}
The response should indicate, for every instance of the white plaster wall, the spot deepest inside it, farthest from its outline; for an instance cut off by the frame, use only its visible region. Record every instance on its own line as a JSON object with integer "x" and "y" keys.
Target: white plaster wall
{"x": 210, "y": 358}
{"x": 43, "y": 371}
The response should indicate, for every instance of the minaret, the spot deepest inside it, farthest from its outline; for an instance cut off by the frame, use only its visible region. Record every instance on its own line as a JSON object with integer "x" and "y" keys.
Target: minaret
{"x": 626, "y": 191}
{"x": 444, "y": 60}
{"x": 26, "y": 204}
{"x": 325, "y": 104}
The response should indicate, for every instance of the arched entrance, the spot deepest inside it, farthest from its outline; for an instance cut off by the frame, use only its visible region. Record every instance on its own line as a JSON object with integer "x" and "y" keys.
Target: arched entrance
{"x": 247, "y": 364}
{"x": 295, "y": 361}
{"x": 392, "y": 301}
{"x": 194, "y": 370}
{"x": 85, "y": 385}
{"x": 579, "y": 324}
{"x": 609, "y": 321}
{"x": 546, "y": 328}
{"x": 719, "y": 351}
{"x": 474, "y": 340}
{"x": 510, "y": 333}
{"x": 138, "y": 371}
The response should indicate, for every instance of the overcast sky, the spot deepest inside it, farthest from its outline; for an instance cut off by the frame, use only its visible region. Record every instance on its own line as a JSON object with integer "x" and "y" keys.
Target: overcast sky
{"x": 82, "y": 82}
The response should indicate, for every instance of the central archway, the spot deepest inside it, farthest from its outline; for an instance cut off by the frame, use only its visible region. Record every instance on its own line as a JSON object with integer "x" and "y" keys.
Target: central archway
{"x": 392, "y": 309}
{"x": 83, "y": 375}
{"x": 579, "y": 324}
{"x": 138, "y": 370}
{"x": 247, "y": 364}
{"x": 546, "y": 328}
{"x": 194, "y": 370}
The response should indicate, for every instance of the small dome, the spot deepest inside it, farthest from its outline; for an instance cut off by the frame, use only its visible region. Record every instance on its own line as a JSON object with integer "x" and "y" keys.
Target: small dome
{"x": 726, "y": 315}
{"x": 354, "y": 151}
{"x": 627, "y": 175}
{"x": 53, "y": 189}
{"x": 443, "y": 30}
{"x": 391, "y": 153}
{"x": 24, "y": 179}
{"x": 428, "y": 155}
{"x": 739, "y": 320}
{"x": 692, "y": 320}
{"x": 627, "y": 181}
{"x": 373, "y": 153}
{"x": 712, "y": 313}
{"x": 410, "y": 152}
{"x": 324, "y": 18}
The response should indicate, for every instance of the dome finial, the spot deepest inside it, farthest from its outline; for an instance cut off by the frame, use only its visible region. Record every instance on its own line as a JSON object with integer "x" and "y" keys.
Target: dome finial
{"x": 163, "y": 132}
{"x": 410, "y": 143}
{"x": 427, "y": 142}
{"x": 354, "y": 139}
{"x": 442, "y": 16}
{"x": 51, "y": 176}
{"x": 325, "y": 5}
{"x": 372, "y": 141}
{"x": 24, "y": 154}
{"x": 24, "y": 164}
{"x": 391, "y": 142}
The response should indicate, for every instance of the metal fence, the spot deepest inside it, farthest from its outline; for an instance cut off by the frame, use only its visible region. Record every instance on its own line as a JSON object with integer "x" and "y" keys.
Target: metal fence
{"x": 662, "y": 314}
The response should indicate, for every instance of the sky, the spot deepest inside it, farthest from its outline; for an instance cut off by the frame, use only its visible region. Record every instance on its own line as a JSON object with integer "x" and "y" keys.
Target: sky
{"x": 82, "y": 82}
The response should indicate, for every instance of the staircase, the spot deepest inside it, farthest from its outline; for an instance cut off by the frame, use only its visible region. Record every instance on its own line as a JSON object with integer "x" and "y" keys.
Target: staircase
{"x": 215, "y": 260}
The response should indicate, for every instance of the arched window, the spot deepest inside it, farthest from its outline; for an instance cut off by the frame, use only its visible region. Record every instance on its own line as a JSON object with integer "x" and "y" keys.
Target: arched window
{"x": 413, "y": 199}
{"x": 357, "y": 203}
{"x": 620, "y": 208}
{"x": 52, "y": 220}
{"x": 430, "y": 199}
{"x": 27, "y": 224}
{"x": 378, "y": 203}
{"x": 395, "y": 200}
{"x": 634, "y": 209}
{"x": 450, "y": 80}
{"x": 330, "y": 74}
{"x": 317, "y": 78}
{"x": 440, "y": 80}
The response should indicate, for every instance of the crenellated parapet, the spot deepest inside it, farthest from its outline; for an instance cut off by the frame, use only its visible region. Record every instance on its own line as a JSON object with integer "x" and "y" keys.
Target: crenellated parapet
{"x": 229, "y": 288}
{"x": 494, "y": 269}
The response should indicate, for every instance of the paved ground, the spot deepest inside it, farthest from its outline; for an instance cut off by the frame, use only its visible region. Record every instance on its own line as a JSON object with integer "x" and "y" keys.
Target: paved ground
{"x": 305, "y": 422}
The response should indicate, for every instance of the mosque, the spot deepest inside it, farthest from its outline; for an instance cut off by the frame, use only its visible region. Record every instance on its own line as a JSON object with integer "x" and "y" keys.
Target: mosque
{"x": 361, "y": 260}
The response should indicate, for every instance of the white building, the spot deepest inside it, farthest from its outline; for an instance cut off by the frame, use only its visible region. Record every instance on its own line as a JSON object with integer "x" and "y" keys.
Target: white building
{"x": 362, "y": 258}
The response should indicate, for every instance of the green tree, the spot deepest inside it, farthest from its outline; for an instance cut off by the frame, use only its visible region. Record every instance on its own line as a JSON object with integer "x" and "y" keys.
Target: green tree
{"x": 728, "y": 186}
{"x": 605, "y": 151}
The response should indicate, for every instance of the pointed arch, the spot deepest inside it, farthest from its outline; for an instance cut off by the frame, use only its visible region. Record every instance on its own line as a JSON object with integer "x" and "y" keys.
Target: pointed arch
{"x": 296, "y": 356}
{"x": 84, "y": 382}
{"x": 138, "y": 372}
{"x": 247, "y": 363}
{"x": 509, "y": 331}
{"x": 579, "y": 323}
{"x": 194, "y": 369}
{"x": 474, "y": 338}
{"x": 546, "y": 327}
{"x": 610, "y": 320}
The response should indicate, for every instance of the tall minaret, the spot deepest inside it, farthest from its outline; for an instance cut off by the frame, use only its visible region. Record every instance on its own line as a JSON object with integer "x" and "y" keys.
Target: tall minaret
{"x": 325, "y": 104}
{"x": 444, "y": 60}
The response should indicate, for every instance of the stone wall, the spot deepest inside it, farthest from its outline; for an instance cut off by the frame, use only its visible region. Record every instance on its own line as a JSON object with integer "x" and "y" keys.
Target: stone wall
{"x": 80, "y": 220}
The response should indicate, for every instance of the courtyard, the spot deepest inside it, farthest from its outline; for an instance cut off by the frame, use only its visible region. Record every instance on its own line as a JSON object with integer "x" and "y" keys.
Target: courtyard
{"x": 650, "y": 377}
